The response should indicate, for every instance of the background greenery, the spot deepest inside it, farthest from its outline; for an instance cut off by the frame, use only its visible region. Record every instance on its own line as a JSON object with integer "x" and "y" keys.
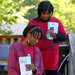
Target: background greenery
{"x": 21, "y": 11}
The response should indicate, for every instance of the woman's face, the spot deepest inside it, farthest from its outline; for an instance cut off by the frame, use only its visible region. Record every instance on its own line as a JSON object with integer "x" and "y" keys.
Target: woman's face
{"x": 45, "y": 15}
{"x": 34, "y": 38}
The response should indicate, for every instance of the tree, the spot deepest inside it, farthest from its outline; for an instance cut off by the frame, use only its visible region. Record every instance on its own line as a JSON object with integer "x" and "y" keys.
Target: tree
{"x": 16, "y": 11}
{"x": 64, "y": 11}
{"x": 21, "y": 11}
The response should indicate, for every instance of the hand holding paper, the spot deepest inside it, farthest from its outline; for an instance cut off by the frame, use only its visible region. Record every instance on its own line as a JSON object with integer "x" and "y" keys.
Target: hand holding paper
{"x": 30, "y": 67}
{"x": 25, "y": 61}
{"x": 52, "y": 29}
{"x": 52, "y": 34}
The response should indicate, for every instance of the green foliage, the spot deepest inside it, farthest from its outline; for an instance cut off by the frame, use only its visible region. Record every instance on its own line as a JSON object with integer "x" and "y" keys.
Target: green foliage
{"x": 73, "y": 1}
{"x": 16, "y": 11}
{"x": 21, "y": 11}
{"x": 64, "y": 11}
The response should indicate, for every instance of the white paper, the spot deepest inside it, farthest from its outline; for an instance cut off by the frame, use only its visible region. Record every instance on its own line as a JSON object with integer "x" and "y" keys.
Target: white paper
{"x": 23, "y": 61}
{"x": 54, "y": 27}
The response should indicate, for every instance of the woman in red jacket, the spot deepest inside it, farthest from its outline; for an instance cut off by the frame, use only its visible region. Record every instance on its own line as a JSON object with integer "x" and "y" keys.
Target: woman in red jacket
{"x": 49, "y": 47}
{"x": 32, "y": 34}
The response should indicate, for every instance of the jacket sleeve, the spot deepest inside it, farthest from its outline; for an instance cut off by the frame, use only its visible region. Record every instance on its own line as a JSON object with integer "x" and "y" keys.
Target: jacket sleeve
{"x": 40, "y": 69}
{"x": 59, "y": 38}
{"x": 61, "y": 35}
{"x": 11, "y": 67}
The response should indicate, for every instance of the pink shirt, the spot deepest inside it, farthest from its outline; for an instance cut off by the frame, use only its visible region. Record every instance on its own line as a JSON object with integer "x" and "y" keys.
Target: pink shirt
{"x": 28, "y": 50}
{"x": 19, "y": 50}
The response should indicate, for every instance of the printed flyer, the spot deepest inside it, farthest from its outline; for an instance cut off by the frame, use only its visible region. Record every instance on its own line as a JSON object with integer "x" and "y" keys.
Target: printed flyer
{"x": 54, "y": 27}
{"x": 23, "y": 61}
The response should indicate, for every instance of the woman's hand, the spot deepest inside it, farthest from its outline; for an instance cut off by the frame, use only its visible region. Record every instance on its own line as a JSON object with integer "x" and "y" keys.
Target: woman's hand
{"x": 52, "y": 34}
{"x": 30, "y": 67}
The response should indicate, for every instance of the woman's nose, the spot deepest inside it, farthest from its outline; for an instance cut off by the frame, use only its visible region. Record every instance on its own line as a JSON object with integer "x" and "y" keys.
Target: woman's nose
{"x": 46, "y": 15}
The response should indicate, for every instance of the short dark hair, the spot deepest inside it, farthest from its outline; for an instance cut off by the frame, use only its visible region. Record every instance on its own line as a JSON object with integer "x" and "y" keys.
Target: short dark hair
{"x": 30, "y": 27}
{"x": 44, "y": 6}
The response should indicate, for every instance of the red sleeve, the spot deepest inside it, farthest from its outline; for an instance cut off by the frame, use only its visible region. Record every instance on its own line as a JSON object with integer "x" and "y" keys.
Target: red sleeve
{"x": 12, "y": 62}
{"x": 61, "y": 29}
{"x": 30, "y": 22}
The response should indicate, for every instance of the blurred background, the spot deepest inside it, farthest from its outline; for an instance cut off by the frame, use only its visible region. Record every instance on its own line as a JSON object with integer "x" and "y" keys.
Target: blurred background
{"x": 14, "y": 16}
{"x": 21, "y": 11}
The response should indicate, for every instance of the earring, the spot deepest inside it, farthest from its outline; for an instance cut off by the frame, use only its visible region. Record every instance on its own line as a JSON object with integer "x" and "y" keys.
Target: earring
{"x": 28, "y": 41}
